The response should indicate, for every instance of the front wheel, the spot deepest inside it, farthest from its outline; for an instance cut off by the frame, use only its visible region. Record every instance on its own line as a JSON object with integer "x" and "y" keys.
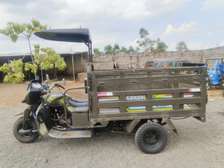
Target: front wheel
{"x": 151, "y": 138}
{"x": 25, "y": 132}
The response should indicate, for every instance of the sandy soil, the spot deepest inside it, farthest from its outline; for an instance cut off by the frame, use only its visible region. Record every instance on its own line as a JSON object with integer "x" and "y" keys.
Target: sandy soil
{"x": 198, "y": 145}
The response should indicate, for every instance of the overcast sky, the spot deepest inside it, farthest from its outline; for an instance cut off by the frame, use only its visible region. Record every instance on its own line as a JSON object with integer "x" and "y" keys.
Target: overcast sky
{"x": 198, "y": 22}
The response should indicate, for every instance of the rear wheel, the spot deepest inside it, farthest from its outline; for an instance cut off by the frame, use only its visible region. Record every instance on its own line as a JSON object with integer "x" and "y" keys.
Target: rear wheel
{"x": 25, "y": 132}
{"x": 151, "y": 138}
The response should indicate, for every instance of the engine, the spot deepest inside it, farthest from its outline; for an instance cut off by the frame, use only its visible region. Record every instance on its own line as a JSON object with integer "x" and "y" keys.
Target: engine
{"x": 55, "y": 116}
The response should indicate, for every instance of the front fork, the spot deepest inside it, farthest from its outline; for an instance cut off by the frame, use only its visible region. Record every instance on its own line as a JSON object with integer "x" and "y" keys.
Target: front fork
{"x": 41, "y": 126}
{"x": 32, "y": 113}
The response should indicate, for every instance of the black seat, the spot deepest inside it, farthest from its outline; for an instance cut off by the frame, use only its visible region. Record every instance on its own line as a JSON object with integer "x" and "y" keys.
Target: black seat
{"x": 77, "y": 103}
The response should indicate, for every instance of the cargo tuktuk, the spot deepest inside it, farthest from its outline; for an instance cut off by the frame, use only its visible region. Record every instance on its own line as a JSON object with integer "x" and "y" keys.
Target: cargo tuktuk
{"x": 138, "y": 101}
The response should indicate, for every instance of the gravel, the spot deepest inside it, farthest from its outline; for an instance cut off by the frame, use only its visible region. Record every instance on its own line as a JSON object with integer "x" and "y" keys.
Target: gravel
{"x": 199, "y": 145}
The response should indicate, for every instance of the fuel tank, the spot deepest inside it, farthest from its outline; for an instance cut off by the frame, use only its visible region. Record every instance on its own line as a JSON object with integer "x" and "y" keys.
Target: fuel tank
{"x": 55, "y": 98}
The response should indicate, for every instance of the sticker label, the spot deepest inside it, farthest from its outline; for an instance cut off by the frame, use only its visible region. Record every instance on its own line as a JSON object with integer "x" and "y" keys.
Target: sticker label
{"x": 103, "y": 94}
{"x": 135, "y": 98}
{"x": 194, "y": 90}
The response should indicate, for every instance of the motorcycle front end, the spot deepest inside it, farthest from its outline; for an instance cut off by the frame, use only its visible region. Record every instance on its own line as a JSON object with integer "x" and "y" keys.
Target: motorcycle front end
{"x": 28, "y": 127}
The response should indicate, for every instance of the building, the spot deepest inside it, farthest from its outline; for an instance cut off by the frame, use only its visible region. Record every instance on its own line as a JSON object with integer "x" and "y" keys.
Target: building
{"x": 75, "y": 63}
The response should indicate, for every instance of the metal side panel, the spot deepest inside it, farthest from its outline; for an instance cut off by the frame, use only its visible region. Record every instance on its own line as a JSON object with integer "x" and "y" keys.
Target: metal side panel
{"x": 70, "y": 134}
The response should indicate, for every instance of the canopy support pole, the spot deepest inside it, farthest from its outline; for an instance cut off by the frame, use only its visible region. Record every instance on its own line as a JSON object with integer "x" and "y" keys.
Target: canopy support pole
{"x": 90, "y": 56}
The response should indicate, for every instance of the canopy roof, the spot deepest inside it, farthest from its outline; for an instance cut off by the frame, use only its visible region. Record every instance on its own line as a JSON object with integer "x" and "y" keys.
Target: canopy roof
{"x": 67, "y": 35}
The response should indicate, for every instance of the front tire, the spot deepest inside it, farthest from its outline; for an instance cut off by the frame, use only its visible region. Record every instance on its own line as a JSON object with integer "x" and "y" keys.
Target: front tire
{"x": 25, "y": 137}
{"x": 151, "y": 138}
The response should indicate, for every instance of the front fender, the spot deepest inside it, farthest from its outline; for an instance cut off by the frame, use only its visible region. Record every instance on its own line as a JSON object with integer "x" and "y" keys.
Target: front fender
{"x": 25, "y": 114}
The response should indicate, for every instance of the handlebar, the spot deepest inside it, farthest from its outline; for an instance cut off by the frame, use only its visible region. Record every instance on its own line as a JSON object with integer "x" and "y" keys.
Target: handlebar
{"x": 55, "y": 85}
{"x": 77, "y": 88}
{"x": 60, "y": 86}
{"x": 44, "y": 87}
{"x": 48, "y": 88}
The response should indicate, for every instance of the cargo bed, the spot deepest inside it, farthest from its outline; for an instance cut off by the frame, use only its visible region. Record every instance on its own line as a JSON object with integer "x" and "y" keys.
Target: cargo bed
{"x": 147, "y": 93}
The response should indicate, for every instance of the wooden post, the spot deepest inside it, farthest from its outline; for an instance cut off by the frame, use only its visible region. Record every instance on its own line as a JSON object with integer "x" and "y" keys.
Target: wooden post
{"x": 73, "y": 68}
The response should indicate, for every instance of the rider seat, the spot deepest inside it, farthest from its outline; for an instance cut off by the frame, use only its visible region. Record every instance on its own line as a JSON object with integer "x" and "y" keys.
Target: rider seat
{"x": 79, "y": 106}
{"x": 77, "y": 103}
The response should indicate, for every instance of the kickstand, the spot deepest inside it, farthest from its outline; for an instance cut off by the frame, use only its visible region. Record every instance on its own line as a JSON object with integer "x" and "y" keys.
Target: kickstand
{"x": 171, "y": 125}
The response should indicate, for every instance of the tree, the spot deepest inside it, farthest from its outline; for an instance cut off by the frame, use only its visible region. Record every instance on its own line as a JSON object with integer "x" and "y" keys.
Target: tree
{"x": 131, "y": 49}
{"x": 182, "y": 46}
{"x": 13, "y": 71}
{"x": 116, "y": 49}
{"x": 46, "y": 59}
{"x": 15, "y": 30}
{"x": 160, "y": 46}
{"x": 52, "y": 61}
{"x": 37, "y": 63}
{"x": 143, "y": 33}
{"x": 145, "y": 42}
{"x": 108, "y": 49}
{"x": 137, "y": 49}
{"x": 96, "y": 51}
{"x": 124, "y": 50}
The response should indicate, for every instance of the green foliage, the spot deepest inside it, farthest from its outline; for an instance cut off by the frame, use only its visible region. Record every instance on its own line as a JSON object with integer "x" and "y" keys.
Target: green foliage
{"x": 38, "y": 60}
{"x": 15, "y": 30}
{"x": 39, "y": 56}
{"x": 124, "y": 50}
{"x": 182, "y": 46}
{"x": 45, "y": 59}
{"x": 52, "y": 60}
{"x": 33, "y": 27}
{"x": 108, "y": 49}
{"x": 160, "y": 46}
{"x": 5, "y": 68}
{"x": 31, "y": 67}
{"x": 143, "y": 33}
{"x": 13, "y": 71}
{"x": 131, "y": 50}
{"x": 14, "y": 78}
{"x": 145, "y": 42}
{"x": 116, "y": 49}
{"x": 96, "y": 51}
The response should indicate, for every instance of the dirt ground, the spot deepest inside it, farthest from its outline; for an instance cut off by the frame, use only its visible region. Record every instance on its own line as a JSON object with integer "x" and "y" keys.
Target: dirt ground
{"x": 13, "y": 94}
{"x": 199, "y": 145}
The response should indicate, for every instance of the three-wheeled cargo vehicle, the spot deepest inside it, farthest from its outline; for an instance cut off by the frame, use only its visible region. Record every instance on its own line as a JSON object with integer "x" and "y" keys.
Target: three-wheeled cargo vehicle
{"x": 139, "y": 101}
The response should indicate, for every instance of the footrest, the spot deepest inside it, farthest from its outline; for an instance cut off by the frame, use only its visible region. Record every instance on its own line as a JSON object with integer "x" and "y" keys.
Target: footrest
{"x": 70, "y": 134}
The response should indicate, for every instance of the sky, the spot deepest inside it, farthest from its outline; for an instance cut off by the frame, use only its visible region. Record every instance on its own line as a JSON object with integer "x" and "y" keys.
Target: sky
{"x": 197, "y": 22}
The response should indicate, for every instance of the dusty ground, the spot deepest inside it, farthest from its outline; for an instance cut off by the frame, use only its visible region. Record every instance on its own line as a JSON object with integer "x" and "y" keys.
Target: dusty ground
{"x": 199, "y": 145}
{"x": 13, "y": 94}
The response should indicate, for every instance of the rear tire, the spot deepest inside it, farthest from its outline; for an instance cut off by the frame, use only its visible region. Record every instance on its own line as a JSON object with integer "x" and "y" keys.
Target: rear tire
{"x": 24, "y": 138}
{"x": 151, "y": 138}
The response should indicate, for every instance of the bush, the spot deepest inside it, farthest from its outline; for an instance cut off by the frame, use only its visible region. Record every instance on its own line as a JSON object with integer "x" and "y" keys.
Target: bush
{"x": 13, "y": 71}
{"x": 14, "y": 78}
